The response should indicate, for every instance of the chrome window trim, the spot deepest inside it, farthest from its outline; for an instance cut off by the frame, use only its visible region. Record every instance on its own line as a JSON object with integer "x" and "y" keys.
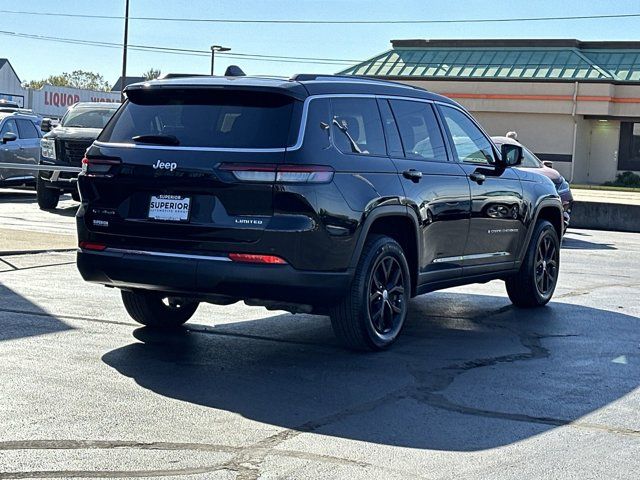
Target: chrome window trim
{"x": 309, "y": 99}
{"x": 189, "y": 149}
{"x": 301, "y": 131}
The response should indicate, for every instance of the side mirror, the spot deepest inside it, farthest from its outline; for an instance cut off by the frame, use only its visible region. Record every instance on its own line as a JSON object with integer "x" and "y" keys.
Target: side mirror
{"x": 45, "y": 125}
{"x": 547, "y": 163}
{"x": 9, "y": 137}
{"x": 511, "y": 155}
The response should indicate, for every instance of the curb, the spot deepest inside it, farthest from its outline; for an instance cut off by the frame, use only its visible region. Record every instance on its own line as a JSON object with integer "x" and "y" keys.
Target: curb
{"x": 10, "y": 253}
{"x": 605, "y": 216}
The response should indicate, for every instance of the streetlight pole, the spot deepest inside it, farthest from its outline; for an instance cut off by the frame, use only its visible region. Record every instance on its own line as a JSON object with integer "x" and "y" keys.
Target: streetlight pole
{"x": 124, "y": 50}
{"x": 214, "y": 49}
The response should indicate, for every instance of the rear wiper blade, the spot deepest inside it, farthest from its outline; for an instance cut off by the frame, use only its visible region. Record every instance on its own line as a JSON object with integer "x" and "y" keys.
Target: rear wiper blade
{"x": 343, "y": 128}
{"x": 157, "y": 139}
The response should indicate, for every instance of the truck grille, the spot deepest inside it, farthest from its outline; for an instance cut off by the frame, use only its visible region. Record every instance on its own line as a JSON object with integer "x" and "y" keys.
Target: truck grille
{"x": 72, "y": 151}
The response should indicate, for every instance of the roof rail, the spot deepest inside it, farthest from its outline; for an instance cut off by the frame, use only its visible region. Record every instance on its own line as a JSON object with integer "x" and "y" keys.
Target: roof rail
{"x": 307, "y": 77}
{"x": 180, "y": 75}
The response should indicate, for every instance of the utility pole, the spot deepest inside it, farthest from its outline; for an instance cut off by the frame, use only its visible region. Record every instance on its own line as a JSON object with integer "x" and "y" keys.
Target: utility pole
{"x": 124, "y": 51}
{"x": 214, "y": 49}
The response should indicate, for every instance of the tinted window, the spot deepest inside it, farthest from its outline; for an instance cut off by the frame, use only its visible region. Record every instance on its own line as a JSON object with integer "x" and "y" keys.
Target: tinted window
{"x": 87, "y": 117}
{"x": 394, "y": 145}
{"x": 356, "y": 127}
{"x": 199, "y": 118}
{"x": 316, "y": 134}
{"x": 9, "y": 126}
{"x": 419, "y": 130}
{"x": 27, "y": 129}
{"x": 470, "y": 144}
{"x": 530, "y": 160}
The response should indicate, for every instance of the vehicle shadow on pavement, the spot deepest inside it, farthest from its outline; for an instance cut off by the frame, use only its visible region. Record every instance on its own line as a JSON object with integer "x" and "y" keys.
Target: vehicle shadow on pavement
{"x": 578, "y": 244}
{"x": 469, "y": 372}
{"x": 21, "y": 318}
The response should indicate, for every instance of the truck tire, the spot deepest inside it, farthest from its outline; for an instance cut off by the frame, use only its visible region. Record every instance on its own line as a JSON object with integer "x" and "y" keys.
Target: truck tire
{"x": 47, "y": 197}
{"x": 156, "y": 310}
{"x": 534, "y": 284}
{"x": 75, "y": 195}
{"x": 372, "y": 313}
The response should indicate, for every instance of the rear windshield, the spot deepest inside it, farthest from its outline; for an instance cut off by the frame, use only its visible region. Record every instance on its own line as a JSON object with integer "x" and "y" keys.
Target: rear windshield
{"x": 198, "y": 118}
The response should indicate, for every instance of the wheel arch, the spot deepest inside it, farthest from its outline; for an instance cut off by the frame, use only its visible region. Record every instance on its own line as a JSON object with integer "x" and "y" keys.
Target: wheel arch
{"x": 398, "y": 223}
{"x": 548, "y": 209}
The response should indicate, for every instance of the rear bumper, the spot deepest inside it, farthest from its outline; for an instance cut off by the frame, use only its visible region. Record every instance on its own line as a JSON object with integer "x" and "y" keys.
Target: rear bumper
{"x": 206, "y": 275}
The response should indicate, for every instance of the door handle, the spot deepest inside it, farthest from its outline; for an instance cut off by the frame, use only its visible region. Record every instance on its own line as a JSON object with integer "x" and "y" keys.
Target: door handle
{"x": 477, "y": 177}
{"x": 413, "y": 175}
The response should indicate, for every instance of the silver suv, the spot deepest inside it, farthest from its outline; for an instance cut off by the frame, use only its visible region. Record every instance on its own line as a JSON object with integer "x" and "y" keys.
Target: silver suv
{"x": 20, "y": 144}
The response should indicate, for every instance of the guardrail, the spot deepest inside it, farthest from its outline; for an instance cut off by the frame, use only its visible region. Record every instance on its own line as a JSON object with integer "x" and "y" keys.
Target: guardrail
{"x": 46, "y": 168}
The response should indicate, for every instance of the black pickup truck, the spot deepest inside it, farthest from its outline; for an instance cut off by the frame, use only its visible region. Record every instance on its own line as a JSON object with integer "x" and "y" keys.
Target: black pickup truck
{"x": 65, "y": 145}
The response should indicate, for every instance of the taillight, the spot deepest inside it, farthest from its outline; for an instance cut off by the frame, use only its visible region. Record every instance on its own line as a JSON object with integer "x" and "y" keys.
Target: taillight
{"x": 304, "y": 174}
{"x": 92, "y": 246}
{"x": 279, "y": 173}
{"x": 98, "y": 166}
{"x": 254, "y": 258}
{"x": 251, "y": 173}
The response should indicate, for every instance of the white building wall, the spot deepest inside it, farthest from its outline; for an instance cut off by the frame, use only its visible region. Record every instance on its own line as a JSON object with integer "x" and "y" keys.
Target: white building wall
{"x": 541, "y": 133}
{"x": 10, "y": 88}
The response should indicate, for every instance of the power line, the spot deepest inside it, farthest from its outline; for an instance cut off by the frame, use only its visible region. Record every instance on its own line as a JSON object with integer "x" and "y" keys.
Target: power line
{"x": 328, "y": 22}
{"x": 184, "y": 51}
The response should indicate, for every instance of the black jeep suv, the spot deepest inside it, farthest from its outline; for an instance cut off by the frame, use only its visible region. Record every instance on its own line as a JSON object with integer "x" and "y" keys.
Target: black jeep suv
{"x": 338, "y": 196}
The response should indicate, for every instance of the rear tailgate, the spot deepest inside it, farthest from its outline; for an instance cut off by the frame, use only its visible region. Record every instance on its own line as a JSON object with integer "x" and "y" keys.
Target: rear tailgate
{"x": 187, "y": 195}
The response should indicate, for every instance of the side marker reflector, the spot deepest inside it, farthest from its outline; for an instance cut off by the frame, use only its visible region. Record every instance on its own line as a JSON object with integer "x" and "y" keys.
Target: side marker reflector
{"x": 253, "y": 258}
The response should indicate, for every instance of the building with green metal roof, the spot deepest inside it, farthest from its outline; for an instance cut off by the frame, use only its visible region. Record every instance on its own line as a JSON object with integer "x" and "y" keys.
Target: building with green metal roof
{"x": 575, "y": 103}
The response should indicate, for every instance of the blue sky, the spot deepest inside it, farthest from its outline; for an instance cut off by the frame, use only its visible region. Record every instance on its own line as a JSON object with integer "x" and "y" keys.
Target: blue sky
{"x": 34, "y": 59}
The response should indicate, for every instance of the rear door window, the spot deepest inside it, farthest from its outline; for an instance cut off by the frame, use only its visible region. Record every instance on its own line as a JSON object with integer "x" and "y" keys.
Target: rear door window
{"x": 419, "y": 130}
{"x": 200, "y": 118}
{"x": 394, "y": 144}
{"x": 356, "y": 127}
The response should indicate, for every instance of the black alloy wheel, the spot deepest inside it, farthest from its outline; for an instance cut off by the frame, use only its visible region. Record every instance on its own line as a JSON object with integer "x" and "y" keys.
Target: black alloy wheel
{"x": 386, "y": 295}
{"x": 373, "y": 311}
{"x": 546, "y": 267}
{"x": 533, "y": 285}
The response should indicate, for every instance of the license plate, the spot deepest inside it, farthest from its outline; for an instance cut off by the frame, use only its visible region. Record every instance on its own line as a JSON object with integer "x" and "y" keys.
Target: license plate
{"x": 173, "y": 208}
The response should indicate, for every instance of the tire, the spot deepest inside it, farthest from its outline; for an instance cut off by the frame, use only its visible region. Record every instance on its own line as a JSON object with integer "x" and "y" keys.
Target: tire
{"x": 47, "y": 197}
{"x": 534, "y": 284}
{"x": 372, "y": 313}
{"x": 75, "y": 195}
{"x": 156, "y": 310}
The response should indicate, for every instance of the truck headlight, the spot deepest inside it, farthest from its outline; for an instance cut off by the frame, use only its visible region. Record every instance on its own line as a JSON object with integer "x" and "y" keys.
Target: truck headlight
{"x": 48, "y": 148}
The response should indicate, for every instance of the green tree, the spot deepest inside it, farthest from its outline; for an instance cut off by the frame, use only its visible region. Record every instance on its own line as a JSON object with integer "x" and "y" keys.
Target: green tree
{"x": 151, "y": 74}
{"x": 75, "y": 79}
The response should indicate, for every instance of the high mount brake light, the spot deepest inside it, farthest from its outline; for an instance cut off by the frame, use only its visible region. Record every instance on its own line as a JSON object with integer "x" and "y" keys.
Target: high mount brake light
{"x": 254, "y": 258}
{"x": 279, "y": 173}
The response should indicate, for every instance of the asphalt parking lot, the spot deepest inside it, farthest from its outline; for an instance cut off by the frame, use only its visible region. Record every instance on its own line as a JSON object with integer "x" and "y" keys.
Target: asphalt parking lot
{"x": 474, "y": 388}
